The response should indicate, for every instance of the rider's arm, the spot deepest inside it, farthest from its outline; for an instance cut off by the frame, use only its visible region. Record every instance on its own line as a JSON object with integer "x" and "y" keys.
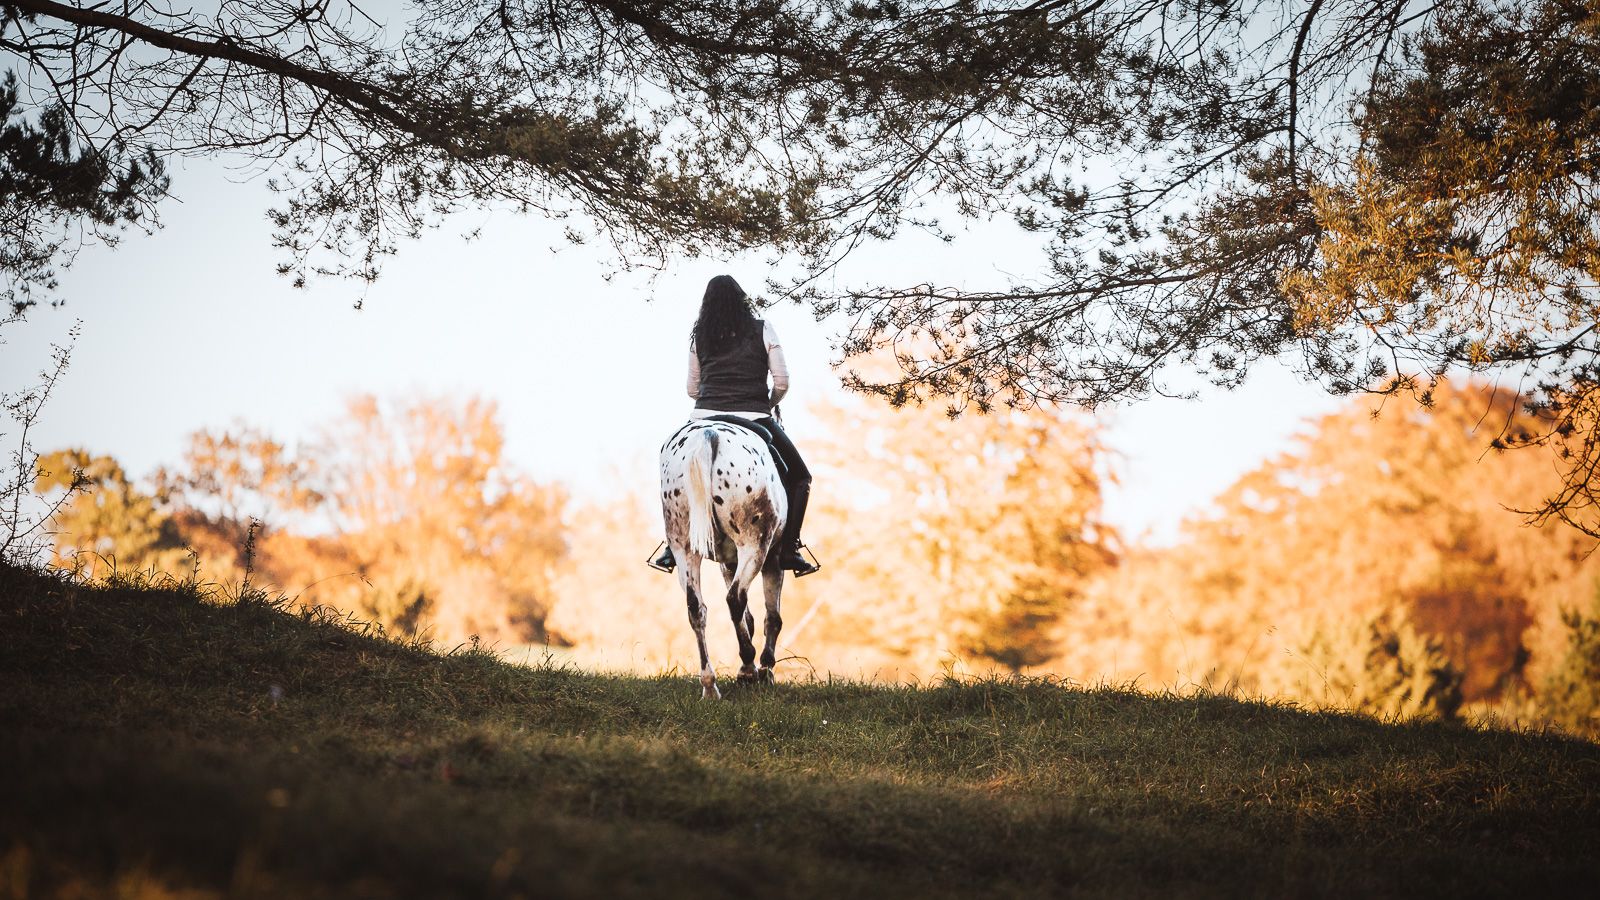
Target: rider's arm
{"x": 775, "y": 363}
{"x": 694, "y": 372}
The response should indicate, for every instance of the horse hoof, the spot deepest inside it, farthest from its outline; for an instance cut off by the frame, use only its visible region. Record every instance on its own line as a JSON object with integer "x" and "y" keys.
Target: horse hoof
{"x": 765, "y": 676}
{"x": 711, "y": 693}
{"x": 748, "y": 677}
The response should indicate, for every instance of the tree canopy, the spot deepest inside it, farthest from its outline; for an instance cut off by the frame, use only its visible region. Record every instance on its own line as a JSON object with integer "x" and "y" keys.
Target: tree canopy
{"x": 673, "y": 127}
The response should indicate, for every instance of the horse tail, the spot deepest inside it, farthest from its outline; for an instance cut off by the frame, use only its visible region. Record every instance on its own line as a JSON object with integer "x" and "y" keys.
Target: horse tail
{"x": 701, "y": 533}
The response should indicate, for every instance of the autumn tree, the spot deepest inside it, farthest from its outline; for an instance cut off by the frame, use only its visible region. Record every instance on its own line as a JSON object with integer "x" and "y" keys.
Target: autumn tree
{"x": 1049, "y": 523}
{"x": 406, "y": 514}
{"x": 422, "y": 497}
{"x": 1462, "y": 234}
{"x": 1376, "y": 191}
{"x": 108, "y": 524}
{"x": 1380, "y": 664}
{"x": 211, "y": 517}
{"x": 241, "y": 473}
{"x": 236, "y": 496}
{"x": 1393, "y": 521}
{"x": 1570, "y": 693}
{"x": 955, "y": 541}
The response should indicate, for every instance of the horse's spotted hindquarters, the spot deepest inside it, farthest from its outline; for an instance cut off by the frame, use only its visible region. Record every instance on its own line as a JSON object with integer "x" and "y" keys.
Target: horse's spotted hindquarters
{"x": 722, "y": 499}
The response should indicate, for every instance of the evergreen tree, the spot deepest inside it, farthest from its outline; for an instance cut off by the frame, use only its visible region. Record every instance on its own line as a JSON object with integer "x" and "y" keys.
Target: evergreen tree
{"x": 51, "y": 186}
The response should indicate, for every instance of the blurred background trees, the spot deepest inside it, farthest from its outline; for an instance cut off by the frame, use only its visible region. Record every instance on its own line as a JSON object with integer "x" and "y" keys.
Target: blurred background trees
{"x": 1384, "y": 551}
{"x": 616, "y": 612}
{"x": 1381, "y": 664}
{"x": 106, "y": 523}
{"x": 421, "y": 495}
{"x": 951, "y": 540}
{"x": 405, "y": 514}
{"x": 1379, "y": 565}
{"x": 1570, "y": 693}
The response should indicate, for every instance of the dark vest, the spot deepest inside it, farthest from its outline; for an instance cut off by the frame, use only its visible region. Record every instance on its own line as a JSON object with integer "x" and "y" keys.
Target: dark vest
{"x": 735, "y": 378}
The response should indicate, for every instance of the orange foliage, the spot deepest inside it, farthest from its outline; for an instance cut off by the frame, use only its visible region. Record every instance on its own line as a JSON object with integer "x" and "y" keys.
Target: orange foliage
{"x": 424, "y": 526}
{"x": 953, "y": 543}
{"x": 420, "y": 493}
{"x": 1404, "y": 511}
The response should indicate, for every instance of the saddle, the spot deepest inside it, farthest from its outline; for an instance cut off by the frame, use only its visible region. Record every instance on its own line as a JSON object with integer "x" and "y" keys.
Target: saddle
{"x": 762, "y": 432}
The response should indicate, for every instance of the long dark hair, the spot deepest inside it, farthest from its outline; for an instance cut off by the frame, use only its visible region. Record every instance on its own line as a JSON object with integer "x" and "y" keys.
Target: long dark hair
{"x": 725, "y": 315}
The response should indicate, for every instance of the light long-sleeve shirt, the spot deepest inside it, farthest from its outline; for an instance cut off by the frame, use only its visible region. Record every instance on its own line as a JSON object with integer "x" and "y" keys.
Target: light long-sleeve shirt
{"x": 776, "y": 367}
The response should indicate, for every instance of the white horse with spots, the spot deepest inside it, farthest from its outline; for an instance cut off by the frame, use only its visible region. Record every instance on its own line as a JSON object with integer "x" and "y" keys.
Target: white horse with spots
{"x": 723, "y": 500}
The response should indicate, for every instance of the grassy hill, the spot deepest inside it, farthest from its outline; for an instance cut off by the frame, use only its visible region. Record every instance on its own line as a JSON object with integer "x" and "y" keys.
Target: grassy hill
{"x": 154, "y": 743}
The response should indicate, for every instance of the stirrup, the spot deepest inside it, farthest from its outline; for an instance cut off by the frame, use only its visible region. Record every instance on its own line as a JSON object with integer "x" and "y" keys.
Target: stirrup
{"x": 662, "y": 560}
{"x": 807, "y": 565}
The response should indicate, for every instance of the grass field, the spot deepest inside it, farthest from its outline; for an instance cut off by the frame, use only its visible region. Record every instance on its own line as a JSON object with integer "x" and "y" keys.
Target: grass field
{"x": 154, "y": 743}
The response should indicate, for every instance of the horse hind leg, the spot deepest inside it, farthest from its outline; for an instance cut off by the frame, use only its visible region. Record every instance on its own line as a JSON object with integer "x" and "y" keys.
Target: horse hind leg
{"x": 689, "y": 579}
{"x": 772, "y": 592}
{"x": 728, "y": 578}
{"x": 739, "y": 610}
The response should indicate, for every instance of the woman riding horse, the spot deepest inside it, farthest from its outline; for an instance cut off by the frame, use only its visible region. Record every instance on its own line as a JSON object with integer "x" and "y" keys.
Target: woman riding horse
{"x": 731, "y": 352}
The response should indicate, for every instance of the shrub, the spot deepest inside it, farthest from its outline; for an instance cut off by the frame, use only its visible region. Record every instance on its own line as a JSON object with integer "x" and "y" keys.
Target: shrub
{"x": 1570, "y": 694}
{"x": 1384, "y": 666}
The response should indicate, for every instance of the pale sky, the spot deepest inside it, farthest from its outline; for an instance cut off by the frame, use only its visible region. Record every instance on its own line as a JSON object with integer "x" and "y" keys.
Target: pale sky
{"x": 191, "y": 328}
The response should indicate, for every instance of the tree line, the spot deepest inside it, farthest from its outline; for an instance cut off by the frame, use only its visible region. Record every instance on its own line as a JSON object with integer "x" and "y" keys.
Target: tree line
{"x": 405, "y": 514}
{"x": 1376, "y": 566}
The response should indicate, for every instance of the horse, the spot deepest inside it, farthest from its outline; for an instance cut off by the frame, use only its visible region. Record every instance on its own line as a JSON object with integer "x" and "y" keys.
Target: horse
{"x": 723, "y": 499}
